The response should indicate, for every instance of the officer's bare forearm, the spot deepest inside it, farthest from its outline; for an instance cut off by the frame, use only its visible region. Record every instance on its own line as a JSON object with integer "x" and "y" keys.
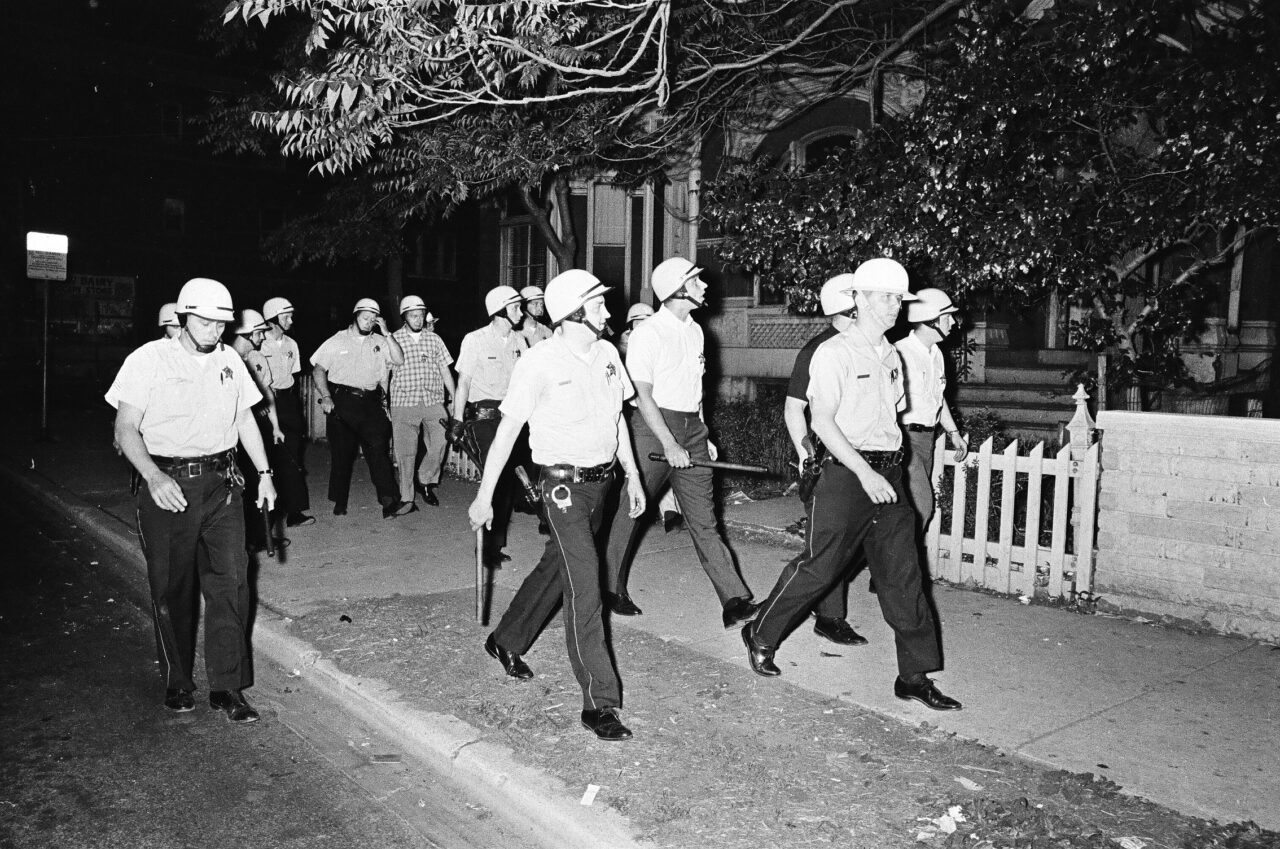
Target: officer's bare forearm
{"x": 251, "y": 439}
{"x": 447, "y": 377}
{"x": 460, "y": 396}
{"x": 495, "y": 462}
{"x": 321, "y": 379}
{"x": 652, "y": 414}
{"x": 626, "y": 454}
{"x": 128, "y": 433}
{"x": 797, "y": 427}
{"x": 948, "y": 421}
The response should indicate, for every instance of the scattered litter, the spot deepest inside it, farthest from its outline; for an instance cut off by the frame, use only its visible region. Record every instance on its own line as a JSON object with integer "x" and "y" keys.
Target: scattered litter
{"x": 421, "y": 803}
{"x": 945, "y": 824}
{"x": 33, "y": 463}
{"x": 94, "y": 563}
{"x": 967, "y": 784}
{"x": 1025, "y": 599}
{"x": 1131, "y": 843}
{"x": 295, "y": 673}
{"x": 111, "y": 601}
{"x": 389, "y": 758}
{"x": 737, "y": 497}
{"x": 589, "y": 795}
{"x": 344, "y": 618}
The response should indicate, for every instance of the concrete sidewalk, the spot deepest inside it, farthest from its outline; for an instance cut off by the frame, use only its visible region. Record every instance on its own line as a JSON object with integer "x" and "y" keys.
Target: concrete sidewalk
{"x": 1186, "y": 720}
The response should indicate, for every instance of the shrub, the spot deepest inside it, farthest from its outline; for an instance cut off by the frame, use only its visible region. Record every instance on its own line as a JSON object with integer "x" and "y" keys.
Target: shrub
{"x": 753, "y": 432}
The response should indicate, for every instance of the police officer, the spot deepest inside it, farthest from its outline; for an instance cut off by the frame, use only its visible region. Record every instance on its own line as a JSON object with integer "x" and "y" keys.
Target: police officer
{"x": 831, "y": 611}
{"x": 281, "y": 353}
{"x": 569, "y": 390}
{"x": 485, "y": 362}
{"x": 534, "y": 328}
{"x": 418, "y": 389}
{"x": 247, "y": 342}
{"x": 666, "y": 362}
{"x": 932, "y": 316}
{"x": 855, "y": 392}
{"x": 349, "y": 370}
{"x": 636, "y": 314}
{"x": 182, "y": 404}
{"x": 168, "y": 320}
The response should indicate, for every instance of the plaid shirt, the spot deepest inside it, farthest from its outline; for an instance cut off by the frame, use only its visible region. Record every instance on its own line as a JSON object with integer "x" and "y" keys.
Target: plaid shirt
{"x": 421, "y": 379}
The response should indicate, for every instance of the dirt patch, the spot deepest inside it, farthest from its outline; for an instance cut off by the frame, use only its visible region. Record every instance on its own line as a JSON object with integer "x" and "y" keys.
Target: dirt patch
{"x": 722, "y": 759}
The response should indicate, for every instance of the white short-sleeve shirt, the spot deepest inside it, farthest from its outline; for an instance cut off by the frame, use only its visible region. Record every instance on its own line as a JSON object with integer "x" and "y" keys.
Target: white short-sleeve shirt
{"x": 352, "y": 359}
{"x": 668, "y": 353}
{"x": 926, "y": 380}
{"x": 488, "y": 359}
{"x": 189, "y": 402}
{"x": 284, "y": 358}
{"x": 572, "y": 403}
{"x": 864, "y": 381}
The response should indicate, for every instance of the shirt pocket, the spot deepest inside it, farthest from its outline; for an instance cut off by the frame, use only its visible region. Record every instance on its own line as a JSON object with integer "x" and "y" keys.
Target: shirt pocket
{"x": 567, "y": 402}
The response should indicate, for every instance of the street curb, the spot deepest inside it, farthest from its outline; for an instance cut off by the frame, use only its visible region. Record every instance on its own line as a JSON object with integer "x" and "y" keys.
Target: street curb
{"x": 529, "y": 798}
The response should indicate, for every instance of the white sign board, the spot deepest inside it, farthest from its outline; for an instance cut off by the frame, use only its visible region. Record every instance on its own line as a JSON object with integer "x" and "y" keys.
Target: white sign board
{"x": 46, "y": 256}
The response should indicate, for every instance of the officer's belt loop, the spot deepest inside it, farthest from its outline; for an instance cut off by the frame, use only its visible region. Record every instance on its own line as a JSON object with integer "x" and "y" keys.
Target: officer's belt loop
{"x": 579, "y": 474}
{"x": 192, "y": 467}
{"x": 920, "y": 428}
{"x": 878, "y": 460}
{"x": 481, "y": 410}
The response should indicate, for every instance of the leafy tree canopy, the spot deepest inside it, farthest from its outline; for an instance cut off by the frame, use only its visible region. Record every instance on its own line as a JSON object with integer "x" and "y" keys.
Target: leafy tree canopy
{"x": 1072, "y": 145}
{"x": 440, "y": 101}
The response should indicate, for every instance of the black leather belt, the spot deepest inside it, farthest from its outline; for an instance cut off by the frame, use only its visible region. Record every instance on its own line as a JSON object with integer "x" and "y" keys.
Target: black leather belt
{"x": 193, "y": 467}
{"x": 481, "y": 410}
{"x": 579, "y": 474}
{"x": 354, "y": 390}
{"x": 877, "y": 460}
{"x": 919, "y": 428}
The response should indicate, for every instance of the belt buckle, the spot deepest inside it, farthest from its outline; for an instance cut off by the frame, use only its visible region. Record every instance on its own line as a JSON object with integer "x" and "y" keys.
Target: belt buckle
{"x": 194, "y": 470}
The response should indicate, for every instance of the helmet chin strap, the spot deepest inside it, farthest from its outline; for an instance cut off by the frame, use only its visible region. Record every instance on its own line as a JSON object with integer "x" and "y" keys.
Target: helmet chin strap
{"x": 685, "y": 296}
{"x": 203, "y": 349}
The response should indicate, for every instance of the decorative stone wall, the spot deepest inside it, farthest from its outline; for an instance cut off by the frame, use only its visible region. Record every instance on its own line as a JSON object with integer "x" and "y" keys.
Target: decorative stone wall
{"x": 1189, "y": 520}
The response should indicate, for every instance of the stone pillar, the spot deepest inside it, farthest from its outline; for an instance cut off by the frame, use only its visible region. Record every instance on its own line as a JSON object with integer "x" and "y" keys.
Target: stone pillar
{"x": 986, "y": 336}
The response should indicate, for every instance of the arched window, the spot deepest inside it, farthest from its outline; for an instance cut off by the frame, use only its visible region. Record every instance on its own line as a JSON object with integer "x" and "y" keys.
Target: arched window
{"x": 812, "y": 150}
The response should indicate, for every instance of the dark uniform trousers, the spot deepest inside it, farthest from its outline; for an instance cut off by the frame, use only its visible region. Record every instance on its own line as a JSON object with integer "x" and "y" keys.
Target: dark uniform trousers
{"x": 287, "y": 458}
{"x": 359, "y": 421}
{"x": 841, "y": 517}
{"x": 692, "y": 487}
{"x": 568, "y": 574}
{"x": 204, "y": 543}
{"x": 505, "y": 493}
{"x": 920, "y": 450}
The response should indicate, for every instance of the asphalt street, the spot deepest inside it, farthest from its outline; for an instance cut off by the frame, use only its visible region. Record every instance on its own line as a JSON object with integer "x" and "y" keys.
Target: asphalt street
{"x": 89, "y": 757}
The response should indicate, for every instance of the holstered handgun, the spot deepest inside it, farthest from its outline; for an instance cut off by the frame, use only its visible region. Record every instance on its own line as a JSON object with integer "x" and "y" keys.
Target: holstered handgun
{"x": 811, "y": 470}
{"x": 531, "y": 493}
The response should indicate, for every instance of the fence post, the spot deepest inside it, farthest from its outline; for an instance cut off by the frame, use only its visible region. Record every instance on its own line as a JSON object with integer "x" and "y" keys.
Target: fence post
{"x": 1082, "y": 428}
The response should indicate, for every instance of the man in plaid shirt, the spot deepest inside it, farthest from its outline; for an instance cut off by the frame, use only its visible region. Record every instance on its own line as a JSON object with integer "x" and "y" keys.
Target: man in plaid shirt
{"x": 418, "y": 388}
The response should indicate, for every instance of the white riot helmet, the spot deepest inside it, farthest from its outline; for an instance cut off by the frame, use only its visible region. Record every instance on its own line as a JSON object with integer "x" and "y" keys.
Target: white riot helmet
{"x": 930, "y": 304}
{"x": 837, "y": 295}
{"x": 882, "y": 275}
{"x": 168, "y": 316}
{"x": 411, "y": 302}
{"x": 499, "y": 298}
{"x": 639, "y": 311}
{"x": 276, "y": 307}
{"x": 569, "y": 290}
{"x": 531, "y": 293}
{"x": 671, "y": 275}
{"x": 207, "y": 299}
{"x": 251, "y": 321}
{"x": 367, "y": 305}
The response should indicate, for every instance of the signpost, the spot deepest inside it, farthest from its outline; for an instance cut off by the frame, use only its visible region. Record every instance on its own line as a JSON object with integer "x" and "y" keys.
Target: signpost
{"x": 46, "y": 260}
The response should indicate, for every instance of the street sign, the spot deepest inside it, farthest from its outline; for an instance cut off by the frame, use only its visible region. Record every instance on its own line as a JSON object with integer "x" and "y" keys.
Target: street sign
{"x": 46, "y": 256}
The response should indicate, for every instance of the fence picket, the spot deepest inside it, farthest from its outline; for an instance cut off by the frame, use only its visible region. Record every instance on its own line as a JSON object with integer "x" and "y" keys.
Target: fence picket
{"x": 1030, "y": 560}
{"x": 982, "y": 511}
{"x": 959, "y": 498}
{"x": 1087, "y": 498}
{"x": 1008, "y": 488}
{"x": 1061, "y": 491}
{"x": 933, "y": 533}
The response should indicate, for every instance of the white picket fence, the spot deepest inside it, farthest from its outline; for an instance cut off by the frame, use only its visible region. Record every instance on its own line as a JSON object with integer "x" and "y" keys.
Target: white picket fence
{"x": 1060, "y": 569}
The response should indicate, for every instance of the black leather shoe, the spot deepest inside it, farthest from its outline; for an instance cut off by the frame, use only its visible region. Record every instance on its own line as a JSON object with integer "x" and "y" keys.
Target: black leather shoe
{"x": 339, "y": 509}
{"x": 398, "y": 508}
{"x": 179, "y": 701}
{"x": 604, "y": 723}
{"x": 739, "y": 611}
{"x": 298, "y": 520}
{"x": 495, "y": 559}
{"x": 672, "y": 521}
{"x": 543, "y": 529}
{"x": 760, "y": 657}
{"x": 925, "y": 693}
{"x": 512, "y": 663}
{"x": 232, "y": 703}
{"x": 429, "y": 495}
{"x": 621, "y": 604}
{"x": 838, "y": 631}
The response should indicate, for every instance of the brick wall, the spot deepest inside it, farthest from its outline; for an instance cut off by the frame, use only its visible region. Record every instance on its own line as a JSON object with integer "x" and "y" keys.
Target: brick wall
{"x": 1189, "y": 520}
